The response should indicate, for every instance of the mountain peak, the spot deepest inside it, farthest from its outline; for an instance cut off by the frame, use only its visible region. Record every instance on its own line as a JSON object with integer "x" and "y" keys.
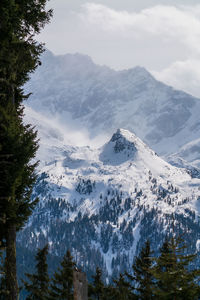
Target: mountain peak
{"x": 120, "y": 148}
{"x": 76, "y": 58}
{"x": 141, "y": 70}
{"x": 123, "y": 139}
{"x": 139, "y": 73}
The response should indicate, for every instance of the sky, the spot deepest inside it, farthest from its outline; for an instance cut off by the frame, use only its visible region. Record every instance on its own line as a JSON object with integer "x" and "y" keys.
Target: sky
{"x": 161, "y": 35}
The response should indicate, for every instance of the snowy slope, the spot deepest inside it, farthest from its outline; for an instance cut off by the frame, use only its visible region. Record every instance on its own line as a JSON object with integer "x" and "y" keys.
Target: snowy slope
{"x": 104, "y": 203}
{"x": 125, "y": 160}
{"x": 189, "y": 153}
{"x": 71, "y": 89}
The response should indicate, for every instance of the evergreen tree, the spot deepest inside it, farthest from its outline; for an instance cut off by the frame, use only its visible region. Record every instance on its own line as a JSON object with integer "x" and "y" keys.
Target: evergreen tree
{"x": 123, "y": 289}
{"x": 19, "y": 52}
{"x": 18, "y": 145}
{"x": 109, "y": 293}
{"x": 19, "y": 56}
{"x": 96, "y": 290}
{"x": 174, "y": 279}
{"x": 3, "y": 291}
{"x": 143, "y": 277}
{"x": 164, "y": 264}
{"x": 62, "y": 282}
{"x": 38, "y": 283}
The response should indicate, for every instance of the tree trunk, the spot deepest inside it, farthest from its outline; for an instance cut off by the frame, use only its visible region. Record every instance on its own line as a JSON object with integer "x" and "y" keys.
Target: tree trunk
{"x": 80, "y": 285}
{"x": 11, "y": 269}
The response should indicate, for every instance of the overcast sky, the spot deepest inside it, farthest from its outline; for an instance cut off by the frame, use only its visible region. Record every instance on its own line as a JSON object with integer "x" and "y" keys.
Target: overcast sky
{"x": 161, "y": 35}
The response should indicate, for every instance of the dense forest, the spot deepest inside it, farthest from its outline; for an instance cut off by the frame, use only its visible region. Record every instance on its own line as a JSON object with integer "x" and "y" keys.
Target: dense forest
{"x": 167, "y": 276}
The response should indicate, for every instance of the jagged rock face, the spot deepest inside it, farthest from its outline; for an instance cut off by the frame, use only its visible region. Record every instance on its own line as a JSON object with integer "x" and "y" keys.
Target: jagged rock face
{"x": 102, "y": 100}
{"x": 119, "y": 149}
{"x": 106, "y": 208}
{"x": 121, "y": 143}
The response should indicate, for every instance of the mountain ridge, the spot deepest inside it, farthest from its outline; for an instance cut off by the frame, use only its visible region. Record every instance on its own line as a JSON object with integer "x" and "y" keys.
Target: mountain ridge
{"x": 72, "y": 89}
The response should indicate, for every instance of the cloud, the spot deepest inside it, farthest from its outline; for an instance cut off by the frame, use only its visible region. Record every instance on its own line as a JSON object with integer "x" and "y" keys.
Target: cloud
{"x": 183, "y": 75}
{"x": 52, "y": 131}
{"x": 161, "y": 38}
{"x": 180, "y": 24}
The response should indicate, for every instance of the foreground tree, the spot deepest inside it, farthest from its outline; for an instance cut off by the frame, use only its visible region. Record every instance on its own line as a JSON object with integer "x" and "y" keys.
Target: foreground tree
{"x": 19, "y": 56}
{"x": 62, "y": 282}
{"x": 142, "y": 275}
{"x": 20, "y": 21}
{"x": 3, "y": 291}
{"x": 123, "y": 289}
{"x": 18, "y": 145}
{"x": 96, "y": 290}
{"x": 174, "y": 278}
{"x": 38, "y": 284}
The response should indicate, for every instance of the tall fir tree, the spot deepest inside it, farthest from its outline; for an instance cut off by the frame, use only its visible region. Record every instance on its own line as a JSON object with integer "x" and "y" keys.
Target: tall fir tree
{"x": 96, "y": 290}
{"x": 62, "y": 283}
{"x": 164, "y": 263}
{"x": 19, "y": 56}
{"x": 20, "y": 21}
{"x": 123, "y": 289}
{"x": 3, "y": 291}
{"x": 174, "y": 278}
{"x": 37, "y": 285}
{"x": 18, "y": 145}
{"x": 142, "y": 275}
{"x": 110, "y": 293}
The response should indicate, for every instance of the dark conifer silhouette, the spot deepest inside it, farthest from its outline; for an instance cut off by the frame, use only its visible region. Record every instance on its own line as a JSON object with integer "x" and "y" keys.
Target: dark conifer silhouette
{"x": 174, "y": 278}
{"x": 96, "y": 290}
{"x": 37, "y": 285}
{"x": 142, "y": 276}
{"x": 62, "y": 282}
{"x": 19, "y": 56}
{"x": 123, "y": 289}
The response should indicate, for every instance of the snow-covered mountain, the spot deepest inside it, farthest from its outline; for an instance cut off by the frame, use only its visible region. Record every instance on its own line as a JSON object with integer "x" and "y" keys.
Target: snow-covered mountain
{"x": 71, "y": 89}
{"x": 104, "y": 203}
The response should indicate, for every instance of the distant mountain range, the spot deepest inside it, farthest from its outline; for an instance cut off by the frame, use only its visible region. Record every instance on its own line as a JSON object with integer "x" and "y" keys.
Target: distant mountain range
{"x": 72, "y": 89}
